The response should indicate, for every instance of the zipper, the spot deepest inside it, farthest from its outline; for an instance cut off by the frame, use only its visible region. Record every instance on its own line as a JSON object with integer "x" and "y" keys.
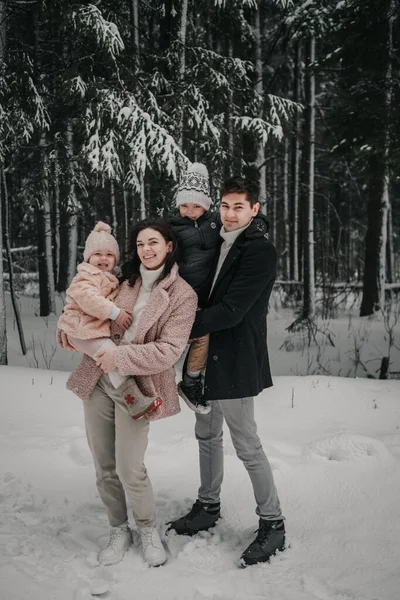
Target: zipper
{"x": 201, "y": 234}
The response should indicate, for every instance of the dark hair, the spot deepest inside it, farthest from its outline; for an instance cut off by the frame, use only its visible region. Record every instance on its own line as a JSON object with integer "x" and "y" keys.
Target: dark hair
{"x": 242, "y": 185}
{"x": 130, "y": 270}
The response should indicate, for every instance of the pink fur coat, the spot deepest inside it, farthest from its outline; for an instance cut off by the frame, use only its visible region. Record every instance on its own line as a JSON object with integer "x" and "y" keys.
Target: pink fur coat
{"x": 90, "y": 300}
{"x": 163, "y": 331}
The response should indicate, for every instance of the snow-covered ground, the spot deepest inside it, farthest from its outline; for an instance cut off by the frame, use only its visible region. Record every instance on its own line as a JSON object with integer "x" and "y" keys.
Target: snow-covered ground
{"x": 334, "y": 445}
{"x": 336, "y": 460}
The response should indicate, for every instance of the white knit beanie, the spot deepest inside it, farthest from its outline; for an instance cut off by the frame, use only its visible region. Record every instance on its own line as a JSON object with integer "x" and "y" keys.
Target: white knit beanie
{"x": 101, "y": 239}
{"x": 194, "y": 187}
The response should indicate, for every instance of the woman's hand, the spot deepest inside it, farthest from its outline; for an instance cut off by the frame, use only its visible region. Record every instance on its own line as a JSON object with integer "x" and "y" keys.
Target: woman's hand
{"x": 106, "y": 361}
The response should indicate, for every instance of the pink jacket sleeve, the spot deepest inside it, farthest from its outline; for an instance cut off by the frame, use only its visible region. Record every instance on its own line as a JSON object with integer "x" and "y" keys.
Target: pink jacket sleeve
{"x": 86, "y": 293}
{"x": 163, "y": 353}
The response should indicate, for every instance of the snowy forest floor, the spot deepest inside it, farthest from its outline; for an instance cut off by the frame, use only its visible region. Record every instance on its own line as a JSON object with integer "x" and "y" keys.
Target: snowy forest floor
{"x": 359, "y": 343}
{"x": 334, "y": 450}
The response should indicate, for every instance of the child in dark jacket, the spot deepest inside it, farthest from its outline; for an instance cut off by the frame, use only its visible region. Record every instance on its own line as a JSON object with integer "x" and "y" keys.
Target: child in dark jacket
{"x": 197, "y": 230}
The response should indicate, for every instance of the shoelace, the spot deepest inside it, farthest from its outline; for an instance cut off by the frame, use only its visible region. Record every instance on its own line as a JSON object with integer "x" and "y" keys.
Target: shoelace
{"x": 198, "y": 393}
{"x": 147, "y": 534}
{"x": 114, "y": 535}
{"x": 263, "y": 532}
{"x": 195, "y": 510}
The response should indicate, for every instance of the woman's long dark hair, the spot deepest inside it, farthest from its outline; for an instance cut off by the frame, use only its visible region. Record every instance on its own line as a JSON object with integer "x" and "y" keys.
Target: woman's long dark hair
{"x": 130, "y": 270}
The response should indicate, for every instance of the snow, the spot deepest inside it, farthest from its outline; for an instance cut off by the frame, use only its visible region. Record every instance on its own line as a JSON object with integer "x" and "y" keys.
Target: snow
{"x": 335, "y": 457}
{"x": 333, "y": 443}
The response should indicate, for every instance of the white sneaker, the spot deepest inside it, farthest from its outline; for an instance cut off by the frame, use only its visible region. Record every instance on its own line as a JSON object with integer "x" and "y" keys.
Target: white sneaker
{"x": 152, "y": 548}
{"x": 119, "y": 542}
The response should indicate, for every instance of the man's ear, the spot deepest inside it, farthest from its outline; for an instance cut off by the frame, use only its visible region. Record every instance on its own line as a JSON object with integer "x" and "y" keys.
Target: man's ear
{"x": 256, "y": 208}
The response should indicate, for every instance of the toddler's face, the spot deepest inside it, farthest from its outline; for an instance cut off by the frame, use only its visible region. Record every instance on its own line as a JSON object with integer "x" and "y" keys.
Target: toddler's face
{"x": 105, "y": 261}
{"x": 193, "y": 211}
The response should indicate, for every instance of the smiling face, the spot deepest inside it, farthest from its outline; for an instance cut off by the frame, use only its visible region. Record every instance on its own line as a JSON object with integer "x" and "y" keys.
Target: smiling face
{"x": 190, "y": 210}
{"x": 105, "y": 261}
{"x": 236, "y": 211}
{"x": 152, "y": 248}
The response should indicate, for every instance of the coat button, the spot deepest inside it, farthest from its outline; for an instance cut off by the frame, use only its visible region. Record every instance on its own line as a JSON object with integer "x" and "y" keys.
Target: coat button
{"x": 116, "y": 336}
{"x": 215, "y": 357}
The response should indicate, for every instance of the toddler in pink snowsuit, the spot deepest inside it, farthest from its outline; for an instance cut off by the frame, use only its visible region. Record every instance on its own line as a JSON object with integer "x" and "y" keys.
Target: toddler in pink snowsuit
{"x": 85, "y": 322}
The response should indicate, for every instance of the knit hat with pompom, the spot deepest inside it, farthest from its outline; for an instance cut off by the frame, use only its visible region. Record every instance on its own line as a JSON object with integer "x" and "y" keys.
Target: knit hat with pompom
{"x": 195, "y": 187}
{"x": 101, "y": 239}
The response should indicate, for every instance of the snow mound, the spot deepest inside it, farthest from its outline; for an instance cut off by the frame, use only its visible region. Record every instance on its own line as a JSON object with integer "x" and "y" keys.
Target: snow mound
{"x": 347, "y": 447}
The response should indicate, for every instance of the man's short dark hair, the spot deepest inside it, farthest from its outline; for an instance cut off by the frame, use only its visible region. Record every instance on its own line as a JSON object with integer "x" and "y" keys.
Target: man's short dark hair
{"x": 242, "y": 185}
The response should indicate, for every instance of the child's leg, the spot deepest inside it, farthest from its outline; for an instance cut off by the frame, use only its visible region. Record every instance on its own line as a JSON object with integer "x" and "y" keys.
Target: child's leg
{"x": 137, "y": 404}
{"x": 191, "y": 386}
{"x": 92, "y": 348}
{"x": 198, "y": 353}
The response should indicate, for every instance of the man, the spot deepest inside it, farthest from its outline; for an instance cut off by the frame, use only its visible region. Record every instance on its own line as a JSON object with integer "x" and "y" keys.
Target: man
{"x": 237, "y": 369}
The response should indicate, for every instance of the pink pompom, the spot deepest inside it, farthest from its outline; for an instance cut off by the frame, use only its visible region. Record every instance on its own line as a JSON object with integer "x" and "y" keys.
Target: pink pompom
{"x": 100, "y": 226}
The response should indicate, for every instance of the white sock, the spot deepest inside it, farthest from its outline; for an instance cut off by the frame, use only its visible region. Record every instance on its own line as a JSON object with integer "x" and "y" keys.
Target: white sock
{"x": 193, "y": 374}
{"x": 116, "y": 379}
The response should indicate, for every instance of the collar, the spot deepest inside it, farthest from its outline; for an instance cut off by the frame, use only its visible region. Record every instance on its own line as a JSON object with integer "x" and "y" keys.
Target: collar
{"x": 149, "y": 277}
{"x": 88, "y": 268}
{"x": 230, "y": 237}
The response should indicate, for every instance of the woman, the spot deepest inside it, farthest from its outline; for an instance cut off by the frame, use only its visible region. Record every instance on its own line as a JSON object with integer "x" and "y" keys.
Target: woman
{"x": 163, "y": 307}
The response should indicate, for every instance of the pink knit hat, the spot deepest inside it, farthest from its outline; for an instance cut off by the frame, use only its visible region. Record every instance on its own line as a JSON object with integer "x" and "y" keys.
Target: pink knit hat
{"x": 101, "y": 239}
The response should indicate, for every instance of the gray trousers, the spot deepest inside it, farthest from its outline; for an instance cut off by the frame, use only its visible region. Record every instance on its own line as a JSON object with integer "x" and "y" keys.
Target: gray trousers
{"x": 118, "y": 444}
{"x": 239, "y": 416}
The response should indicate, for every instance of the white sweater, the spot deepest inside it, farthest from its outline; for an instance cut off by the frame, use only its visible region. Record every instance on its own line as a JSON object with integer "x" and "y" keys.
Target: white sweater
{"x": 148, "y": 280}
{"x": 229, "y": 238}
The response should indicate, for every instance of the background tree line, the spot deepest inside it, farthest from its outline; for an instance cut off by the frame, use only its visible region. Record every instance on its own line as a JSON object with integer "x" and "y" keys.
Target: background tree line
{"x": 102, "y": 104}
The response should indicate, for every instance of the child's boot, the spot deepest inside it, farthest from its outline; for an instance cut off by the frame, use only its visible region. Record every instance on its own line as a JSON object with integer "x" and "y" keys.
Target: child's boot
{"x": 138, "y": 404}
{"x": 191, "y": 390}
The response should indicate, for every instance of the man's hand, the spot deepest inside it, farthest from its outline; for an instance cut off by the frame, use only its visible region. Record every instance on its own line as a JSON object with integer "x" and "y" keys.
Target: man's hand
{"x": 124, "y": 319}
{"x": 106, "y": 361}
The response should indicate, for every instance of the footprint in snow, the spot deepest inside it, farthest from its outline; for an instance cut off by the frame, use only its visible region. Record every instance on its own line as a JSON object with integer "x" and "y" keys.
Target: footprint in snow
{"x": 347, "y": 447}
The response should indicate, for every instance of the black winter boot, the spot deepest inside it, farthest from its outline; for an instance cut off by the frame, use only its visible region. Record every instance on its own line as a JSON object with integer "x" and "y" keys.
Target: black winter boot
{"x": 269, "y": 540}
{"x": 201, "y": 517}
{"x": 191, "y": 390}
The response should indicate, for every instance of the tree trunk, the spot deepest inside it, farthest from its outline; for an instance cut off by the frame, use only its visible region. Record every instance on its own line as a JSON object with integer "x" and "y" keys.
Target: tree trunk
{"x": 142, "y": 201}
{"x": 274, "y": 200}
{"x": 379, "y": 202}
{"x": 135, "y": 37}
{"x": 309, "y": 148}
{"x": 228, "y": 165}
{"x": 390, "y": 270}
{"x": 3, "y": 325}
{"x": 3, "y": 328}
{"x": 286, "y": 225}
{"x": 69, "y": 208}
{"x": 72, "y": 207}
{"x": 373, "y": 298}
{"x": 3, "y": 183}
{"x": 45, "y": 254}
{"x": 126, "y": 218}
{"x": 113, "y": 208}
{"x": 182, "y": 66}
{"x": 260, "y": 160}
{"x": 57, "y": 223}
{"x": 296, "y": 161}
{"x": 3, "y": 30}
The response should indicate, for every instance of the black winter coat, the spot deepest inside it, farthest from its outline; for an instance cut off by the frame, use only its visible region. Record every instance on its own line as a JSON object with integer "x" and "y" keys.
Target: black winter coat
{"x": 199, "y": 243}
{"x": 236, "y": 317}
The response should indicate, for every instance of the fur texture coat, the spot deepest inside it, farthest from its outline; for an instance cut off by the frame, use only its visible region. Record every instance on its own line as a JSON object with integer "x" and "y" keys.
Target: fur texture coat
{"x": 90, "y": 300}
{"x": 161, "y": 337}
